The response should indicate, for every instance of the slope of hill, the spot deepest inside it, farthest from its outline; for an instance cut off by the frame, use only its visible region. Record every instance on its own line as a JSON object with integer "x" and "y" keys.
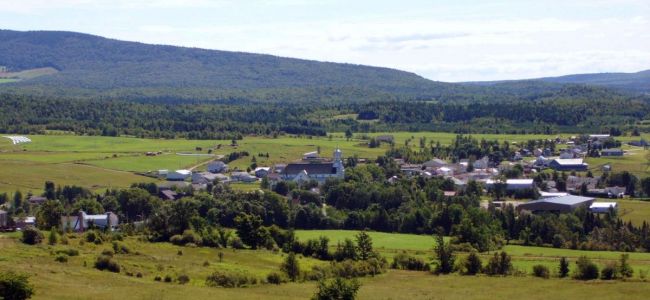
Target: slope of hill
{"x": 91, "y": 63}
{"x": 633, "y": 82}
{"x": 627, "y": 82}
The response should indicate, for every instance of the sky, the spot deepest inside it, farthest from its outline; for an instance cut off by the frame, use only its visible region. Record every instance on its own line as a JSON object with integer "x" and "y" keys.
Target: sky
{"x": 454, "y": 40}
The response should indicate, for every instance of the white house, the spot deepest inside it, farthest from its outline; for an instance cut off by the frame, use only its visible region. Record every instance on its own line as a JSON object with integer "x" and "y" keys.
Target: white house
{"x": 318, "y": 171}
{"x": 261, "y": 172}
{"x": 242, "y": 176}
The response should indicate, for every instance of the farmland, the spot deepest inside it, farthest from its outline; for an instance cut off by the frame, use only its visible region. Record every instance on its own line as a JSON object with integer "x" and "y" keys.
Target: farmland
{"x": 72, "y": 279}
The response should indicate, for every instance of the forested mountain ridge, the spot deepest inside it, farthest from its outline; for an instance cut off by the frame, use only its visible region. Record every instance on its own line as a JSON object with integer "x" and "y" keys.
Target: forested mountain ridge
{"x": 638, "y": 82}
{"x": 89, "y": 64}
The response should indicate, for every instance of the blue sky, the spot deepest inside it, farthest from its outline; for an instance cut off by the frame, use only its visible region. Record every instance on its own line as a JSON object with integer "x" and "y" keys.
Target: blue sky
{"x": 440, "y": 40}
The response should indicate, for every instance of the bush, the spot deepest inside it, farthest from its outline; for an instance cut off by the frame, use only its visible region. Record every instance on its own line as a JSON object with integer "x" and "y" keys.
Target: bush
{"x": 563, "y": 270}
{"x": 499, "y": 264}
{"x": 93, "y": 237}
{"x": 338, "y": 288}
{"x": 120, "y": 248}
{"x": 176, "y": 240}
{"x": 586, "y": 270}
{"x": 291, "y": 267}
{"x": 609, "y": 272}
{"x": 15, "y": 286}
{"x": 68, "y": 252}
{"x": 183, "y": 279}
{"x": 229, "y": 280}
{"x": 361, "y": 268}
{"x": 52, "y": 238}
{"x": 472, "y": 264}
{"x": 157, "y": 278}
{"x": 275, "y": 278}
{"x": 403, "y": 261}
{"x": 32, "y": 236}
{"x": 236, "y": 243}
{"x": 108, "y": 252}
{"x": 104, "y": 262}
{"x": 189, "y": 236}
{"x": 541, "y": 271}
{"x": 624, "y": 267}
{"x": 62, "y": 258}
{"x": 168, "y": 278}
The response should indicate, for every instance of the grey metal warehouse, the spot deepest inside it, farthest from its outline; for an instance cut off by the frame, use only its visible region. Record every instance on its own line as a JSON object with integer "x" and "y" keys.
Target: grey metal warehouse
{"x": 560, "y": 204}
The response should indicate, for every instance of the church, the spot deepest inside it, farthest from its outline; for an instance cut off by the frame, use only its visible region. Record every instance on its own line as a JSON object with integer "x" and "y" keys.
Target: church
{"x": 315, "y": 168}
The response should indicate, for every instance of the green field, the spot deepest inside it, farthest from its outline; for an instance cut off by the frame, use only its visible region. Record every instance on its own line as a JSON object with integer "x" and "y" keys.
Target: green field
{"x": 77, "y": 279}
{"x": 635, "y": 211}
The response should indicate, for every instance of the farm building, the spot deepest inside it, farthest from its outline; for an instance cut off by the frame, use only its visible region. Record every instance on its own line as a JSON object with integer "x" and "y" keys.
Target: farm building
{"x": 612, "y": 152}
{"x": 544, "y": 195}
{"x": 82, "y": 221}
{"x": 560, "y": 204}
{"x": 602, "y": 207}
{"x": 435, "y": 163}
{"x": 3, "y": 218}
{"x": 179, "y": 175}
{"x": 576, "y": 164}
{"x": 513, "y": 184}
{"x": 204, "y": 177}
{"x": 242, "y": 176}
{"x": 217, "y": 166}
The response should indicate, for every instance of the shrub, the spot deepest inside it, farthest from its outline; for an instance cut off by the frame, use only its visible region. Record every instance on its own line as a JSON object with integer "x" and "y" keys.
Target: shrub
{"x": 609, "y": 272}
{"x": 120, "y": 248}
{"x": 62, "y": 258}
{"x": 108, "y": 252}
{"x": 15, "y": 286}
{"x": 229, "y": 280}
{"x": 104, "y": 262}
{"x": 338, "y": 288}
{"x": 157, "y": 278}
{"x": 499, "y": 264}
{"x": 183, "y": 279}
{"x": 176, "y": 240}
{"x": 189, "y": 236}
{"x": 139, "y": 275}
{"x": 68, "y": 252}
{"x": 32, "y": 236}
{"x": 236, "y": 243}
{"x": 472, "y": 264}
{"x": 179, "y": 252}
{"x": 403, "y": 261}
{"x": 564, "y": 267}
{"x": 52, "y": 238}
{"x": 291, "y": 267}
{"x": 275, "y": 278}
{"x": 586, "y": 270}
{"x": 624, "y": 267}
{"x": 168, "y": 278}
{"x": 93, "y": 237}
{"x": 541, "y": 271}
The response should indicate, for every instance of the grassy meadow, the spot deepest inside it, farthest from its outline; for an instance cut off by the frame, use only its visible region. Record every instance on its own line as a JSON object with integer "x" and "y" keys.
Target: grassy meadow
{"x": 77, "y": 279}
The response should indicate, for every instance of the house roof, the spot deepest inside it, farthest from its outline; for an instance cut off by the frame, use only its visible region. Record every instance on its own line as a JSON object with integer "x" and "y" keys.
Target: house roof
{"x": 311, "y": 168}
{"x": 569, "y": 162}
{"x": 612, "y": 150}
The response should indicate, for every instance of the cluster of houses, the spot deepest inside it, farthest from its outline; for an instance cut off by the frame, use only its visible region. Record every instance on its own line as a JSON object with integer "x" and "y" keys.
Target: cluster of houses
{"x": 77, "y": 223}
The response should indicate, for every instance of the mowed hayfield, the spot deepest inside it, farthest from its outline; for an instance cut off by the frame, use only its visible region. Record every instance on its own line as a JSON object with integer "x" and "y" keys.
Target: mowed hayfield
{"x": 77, "y": 279}
{"x": 110, "y": 154}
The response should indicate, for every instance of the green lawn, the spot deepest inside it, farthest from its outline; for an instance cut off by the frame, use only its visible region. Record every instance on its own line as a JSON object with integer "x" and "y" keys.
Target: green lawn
{"x": 635, "y": 211}
{"x": 380, "y": 240}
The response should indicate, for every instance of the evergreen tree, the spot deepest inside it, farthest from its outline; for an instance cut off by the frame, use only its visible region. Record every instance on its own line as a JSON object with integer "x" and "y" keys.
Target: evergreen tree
{"x": 291, "y": 267}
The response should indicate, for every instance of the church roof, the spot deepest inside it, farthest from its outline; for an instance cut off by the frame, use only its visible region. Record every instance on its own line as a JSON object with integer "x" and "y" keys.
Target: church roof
{"x": 311, "y": 168}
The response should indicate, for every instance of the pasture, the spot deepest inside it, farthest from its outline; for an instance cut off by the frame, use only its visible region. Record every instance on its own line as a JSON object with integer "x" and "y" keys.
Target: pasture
{"x": 77, "y": 279}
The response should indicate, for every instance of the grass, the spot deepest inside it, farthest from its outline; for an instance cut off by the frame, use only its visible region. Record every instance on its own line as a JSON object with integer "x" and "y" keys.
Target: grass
{"x": 380, "y": 240}
{"x": 30, "y": 176}
{"x": 635, "y": 211}
{"x": 77, "y": 279}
